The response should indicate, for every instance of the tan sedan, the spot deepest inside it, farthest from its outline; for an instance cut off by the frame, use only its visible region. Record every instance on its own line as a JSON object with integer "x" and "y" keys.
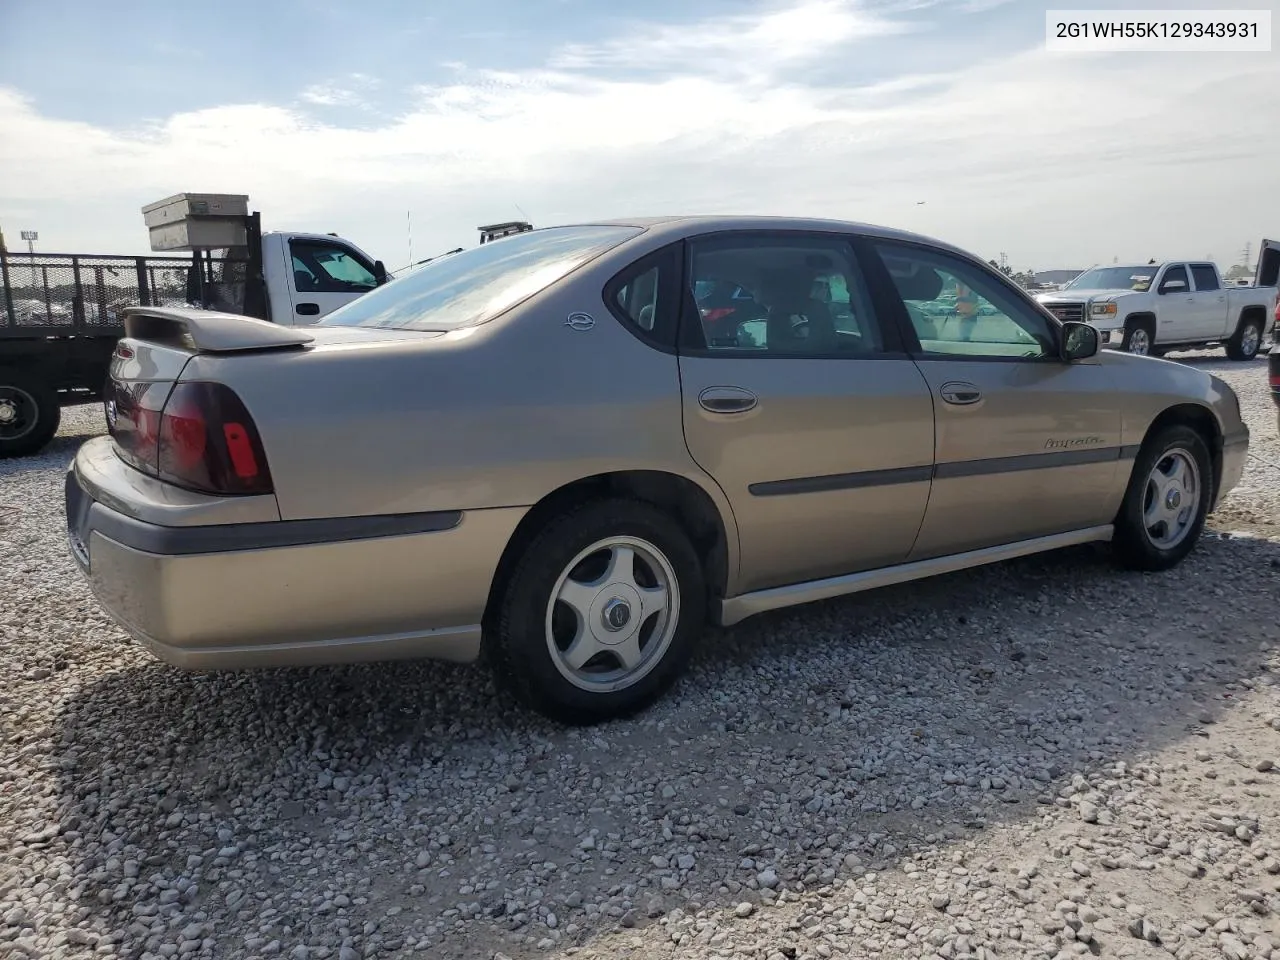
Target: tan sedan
{"x": 569, "y": 449}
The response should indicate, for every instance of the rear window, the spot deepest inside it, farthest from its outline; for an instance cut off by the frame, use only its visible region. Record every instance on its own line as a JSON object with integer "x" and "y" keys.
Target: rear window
{"x": 478, "y": 284}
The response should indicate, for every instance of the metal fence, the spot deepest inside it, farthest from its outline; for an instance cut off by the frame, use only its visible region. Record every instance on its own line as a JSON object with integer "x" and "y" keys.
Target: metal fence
{"x": 86, "y": 293}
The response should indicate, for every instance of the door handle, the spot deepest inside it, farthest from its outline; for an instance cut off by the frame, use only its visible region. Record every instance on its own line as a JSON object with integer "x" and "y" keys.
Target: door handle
{"x": 307, "y": 309}
{"x": 727, "y": 400}
{"x": 960, "y": 393}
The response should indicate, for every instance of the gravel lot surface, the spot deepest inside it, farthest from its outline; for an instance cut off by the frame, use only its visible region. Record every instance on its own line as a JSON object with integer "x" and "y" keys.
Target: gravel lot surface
{"x": 1043, "y": 758}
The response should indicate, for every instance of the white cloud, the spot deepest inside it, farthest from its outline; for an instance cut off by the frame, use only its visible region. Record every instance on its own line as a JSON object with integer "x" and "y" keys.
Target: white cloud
{"x": 754, "y": 45}
{"x": 1059, "y": 161}
{"x": 349, "y": 91}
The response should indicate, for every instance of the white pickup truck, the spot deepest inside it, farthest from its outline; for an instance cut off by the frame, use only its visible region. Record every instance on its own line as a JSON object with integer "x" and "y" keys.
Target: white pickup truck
{"x": 1179, "y": 304}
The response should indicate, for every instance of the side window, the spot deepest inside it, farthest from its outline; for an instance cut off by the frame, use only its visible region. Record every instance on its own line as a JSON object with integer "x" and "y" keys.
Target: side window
{"x": 1175, "y": 274}
{"x": 779, "y": 294}
{"x": 1206, "y": 277}
{"x": 637, "y": 299}
{"x": 959, "y": 310}
{"x": 320, "y": 267}
{"x": 645, "y": 296}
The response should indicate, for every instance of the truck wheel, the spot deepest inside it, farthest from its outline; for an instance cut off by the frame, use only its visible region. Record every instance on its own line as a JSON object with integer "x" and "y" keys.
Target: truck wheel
{"x": 29, "y": 413}
{"x": 1244, "y": 344}
{"x": 1168, "y": 498}
{"x": 1139, "y": 337}
{"x": 600, "y": 614}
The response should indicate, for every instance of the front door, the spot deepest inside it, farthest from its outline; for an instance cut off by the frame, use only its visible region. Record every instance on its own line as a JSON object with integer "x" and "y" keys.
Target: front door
{"x": 1176, "y": 306}
{"x": 326, "y": 275}
{"x": 1027, "y": 445}
{"x": 807, "y": 414}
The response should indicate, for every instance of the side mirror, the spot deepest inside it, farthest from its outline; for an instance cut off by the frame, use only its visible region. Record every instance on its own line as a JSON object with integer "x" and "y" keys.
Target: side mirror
{"x": 379, "y": 272}
{"x": 1079, "y": 341}
{"x": 1173, "y": 286}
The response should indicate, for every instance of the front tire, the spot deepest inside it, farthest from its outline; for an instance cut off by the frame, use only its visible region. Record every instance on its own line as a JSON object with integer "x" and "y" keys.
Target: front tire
{"x": 1167, "y": 501}
{"x": 600, "y": 613}
{"x": 1246, "y": 341}
{"x": 1139, "y": 337}
{"x": 29, "y": 413}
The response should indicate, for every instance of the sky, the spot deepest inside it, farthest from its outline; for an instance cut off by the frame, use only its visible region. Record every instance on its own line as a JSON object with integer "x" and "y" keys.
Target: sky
{"x": 947, "y": 117}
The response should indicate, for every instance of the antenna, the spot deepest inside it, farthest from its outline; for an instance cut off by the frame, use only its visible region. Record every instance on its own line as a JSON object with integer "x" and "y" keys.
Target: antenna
{"x": 519, "y": 210}
{"x": 408, "y": 218}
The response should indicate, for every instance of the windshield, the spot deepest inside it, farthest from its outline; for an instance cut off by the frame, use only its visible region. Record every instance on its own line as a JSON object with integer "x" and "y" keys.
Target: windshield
{"x": 478, "y": 284}
{"x": 1114, "y": 278}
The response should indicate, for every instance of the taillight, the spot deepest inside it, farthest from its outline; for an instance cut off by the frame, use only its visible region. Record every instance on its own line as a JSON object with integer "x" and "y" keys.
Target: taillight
{"x": 193, "y": 434}
{"x": 133, "y": 420}
{"x": 208, "y": 442}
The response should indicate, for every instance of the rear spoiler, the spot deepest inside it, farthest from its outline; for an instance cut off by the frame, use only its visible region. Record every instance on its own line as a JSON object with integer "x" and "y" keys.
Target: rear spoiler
{"x": 208, "y": 331}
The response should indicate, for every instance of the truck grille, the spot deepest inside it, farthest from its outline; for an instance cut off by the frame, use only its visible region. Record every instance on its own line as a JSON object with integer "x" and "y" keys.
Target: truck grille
{"x": 1066, "y": 311}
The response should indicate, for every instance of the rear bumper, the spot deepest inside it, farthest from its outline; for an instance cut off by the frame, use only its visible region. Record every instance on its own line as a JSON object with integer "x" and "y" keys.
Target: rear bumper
{"x": 297, "y": 593}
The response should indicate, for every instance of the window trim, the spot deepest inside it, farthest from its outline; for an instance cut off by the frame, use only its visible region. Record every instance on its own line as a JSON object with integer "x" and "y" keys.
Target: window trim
{"x": 666, "y": 320}
{"x": 691, "y": 340}
{"x": 333, "y": 243}
{"x": 878, "y": 275}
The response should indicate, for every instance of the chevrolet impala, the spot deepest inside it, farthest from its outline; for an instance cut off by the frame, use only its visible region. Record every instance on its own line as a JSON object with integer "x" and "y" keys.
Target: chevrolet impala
{"x": 566, "y": 451}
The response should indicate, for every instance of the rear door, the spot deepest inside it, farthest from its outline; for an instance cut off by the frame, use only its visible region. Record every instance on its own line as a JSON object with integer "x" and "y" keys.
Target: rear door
{"x": 802, "y": 405}
{"x": 1209, "y": 302}
{"x": 325, "y": 275}
{"x": 1027, "y": 445}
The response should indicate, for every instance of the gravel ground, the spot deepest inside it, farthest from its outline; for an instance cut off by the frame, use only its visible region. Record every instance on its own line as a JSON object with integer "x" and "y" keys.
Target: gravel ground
{"x": 1043, "y": 758}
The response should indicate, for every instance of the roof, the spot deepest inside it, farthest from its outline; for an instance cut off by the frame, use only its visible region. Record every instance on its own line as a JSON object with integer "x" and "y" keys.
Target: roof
{"x": 676, "y": 226}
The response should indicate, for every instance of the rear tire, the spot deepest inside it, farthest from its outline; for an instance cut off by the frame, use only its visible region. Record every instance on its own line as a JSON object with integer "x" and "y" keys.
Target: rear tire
{"x": 29, "y": 413}
{"x": 600, "y": 613}
{"x": 1167, "y": 501}
{"x": 1139, "y": 337}
{"x": 1246, "y": 341}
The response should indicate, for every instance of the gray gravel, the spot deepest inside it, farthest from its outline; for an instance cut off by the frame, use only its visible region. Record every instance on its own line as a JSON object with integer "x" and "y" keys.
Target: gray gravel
{"x": 1044, "y": 758}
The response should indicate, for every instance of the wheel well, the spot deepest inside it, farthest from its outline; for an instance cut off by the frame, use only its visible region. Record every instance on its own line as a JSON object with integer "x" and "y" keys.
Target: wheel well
{"x": 680, "y": 497}
{"x": 1254, "y": 313}
{"x": 1147, "y": 319}
{"x": 1199, "y": 419}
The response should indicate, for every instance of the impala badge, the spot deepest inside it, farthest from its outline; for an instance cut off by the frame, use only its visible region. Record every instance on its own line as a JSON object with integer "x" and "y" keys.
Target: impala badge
{"x": 580, "y": 321}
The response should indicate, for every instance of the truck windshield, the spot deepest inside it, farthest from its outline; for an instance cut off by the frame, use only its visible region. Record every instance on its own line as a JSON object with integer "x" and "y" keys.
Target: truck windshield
{"x": 478, "y": 284}
{"x": 1114, "y": 278}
